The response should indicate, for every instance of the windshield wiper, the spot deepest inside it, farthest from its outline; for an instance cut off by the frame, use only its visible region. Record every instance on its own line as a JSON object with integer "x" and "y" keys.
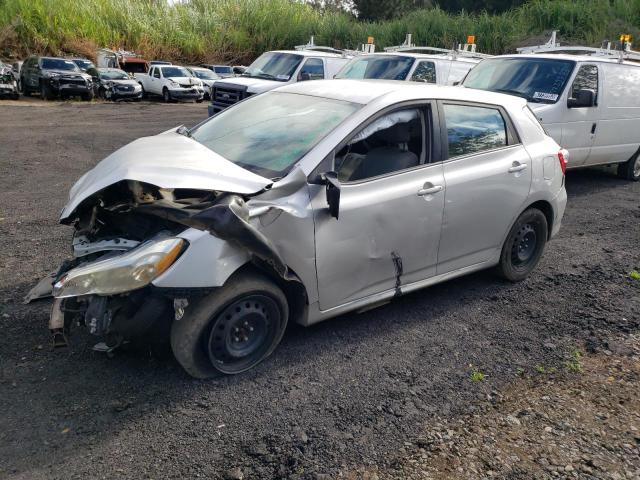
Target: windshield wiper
{"x": 512, "y": 92}
{"x": 268, "y": 76}
{"x": 182, "y": 130}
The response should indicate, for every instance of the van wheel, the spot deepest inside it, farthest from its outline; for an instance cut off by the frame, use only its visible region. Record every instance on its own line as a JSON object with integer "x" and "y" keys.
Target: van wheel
{"x": 630, "y": 170}
{"x": 166, "y": 96}
{"x": 524, "y": 245}
{"x": 232, "y": 329}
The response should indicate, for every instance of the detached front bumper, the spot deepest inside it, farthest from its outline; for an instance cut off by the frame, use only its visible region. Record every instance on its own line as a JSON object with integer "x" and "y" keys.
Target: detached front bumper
{"x": 71, "y": 88}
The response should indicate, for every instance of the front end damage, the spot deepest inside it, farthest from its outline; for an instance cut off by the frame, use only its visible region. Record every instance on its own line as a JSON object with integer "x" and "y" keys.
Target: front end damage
{"x": 130, "y": 276}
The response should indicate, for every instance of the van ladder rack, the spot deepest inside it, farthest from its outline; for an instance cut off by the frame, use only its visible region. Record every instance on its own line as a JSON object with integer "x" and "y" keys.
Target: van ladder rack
{"x": 607, "y": 50}
{"x": 467, "y": 50}
{"x": 319, "y": 48}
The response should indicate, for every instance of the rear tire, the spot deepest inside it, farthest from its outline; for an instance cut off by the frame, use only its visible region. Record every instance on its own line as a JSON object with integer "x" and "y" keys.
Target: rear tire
{"x": 524, "y": 246}
{"x": 630, "y": 170}
{"x": 232, "y": 329}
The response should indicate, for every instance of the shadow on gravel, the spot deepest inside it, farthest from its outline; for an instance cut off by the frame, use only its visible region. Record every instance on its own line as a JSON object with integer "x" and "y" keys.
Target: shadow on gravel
{"x": 591, "y": 180}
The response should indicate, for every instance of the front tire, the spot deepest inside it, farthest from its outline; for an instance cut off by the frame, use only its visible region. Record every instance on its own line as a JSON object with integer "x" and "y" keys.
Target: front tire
{"x": 45, "y": 92}
{"x": 232, "y": 329}
{"x": 166, "y": 96}
{"x": 524, "y": 246}
{"x": 630, "y": 170}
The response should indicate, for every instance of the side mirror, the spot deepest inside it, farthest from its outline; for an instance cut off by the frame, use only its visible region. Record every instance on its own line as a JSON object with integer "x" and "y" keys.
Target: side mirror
{"x": 304, "y": 77}
{"x": 585, "y": 98}
{"x": 332, "y": 185}
{"x": 456, "y": 83}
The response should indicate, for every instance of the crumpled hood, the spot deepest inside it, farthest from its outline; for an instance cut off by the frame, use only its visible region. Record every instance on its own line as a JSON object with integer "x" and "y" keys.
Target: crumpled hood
{"x": 254, "y": 85}
{"x": 186, "y": 80}
{"x": 168, "y": 160}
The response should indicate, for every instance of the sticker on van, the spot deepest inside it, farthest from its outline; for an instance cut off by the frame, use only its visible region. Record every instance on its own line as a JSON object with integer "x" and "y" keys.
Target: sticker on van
{"x": 546, "y": 96}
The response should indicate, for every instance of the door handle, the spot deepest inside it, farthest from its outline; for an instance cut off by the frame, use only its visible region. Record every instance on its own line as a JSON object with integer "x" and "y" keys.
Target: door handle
{"x": 517, "y": 167}
{"x": 429, "y": 190}
{"x": 593, "y": 128}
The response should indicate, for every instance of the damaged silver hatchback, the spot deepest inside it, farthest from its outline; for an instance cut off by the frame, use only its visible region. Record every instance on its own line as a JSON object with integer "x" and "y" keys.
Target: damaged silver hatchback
{"x": 302, "y": 204}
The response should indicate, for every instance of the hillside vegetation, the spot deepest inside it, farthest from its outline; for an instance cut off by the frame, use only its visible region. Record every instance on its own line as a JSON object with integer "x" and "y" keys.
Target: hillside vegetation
{"x": 239, "y": 30}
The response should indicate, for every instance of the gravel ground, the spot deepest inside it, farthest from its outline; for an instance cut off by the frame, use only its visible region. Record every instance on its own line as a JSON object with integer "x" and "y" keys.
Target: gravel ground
{"x": 348, "y": 398}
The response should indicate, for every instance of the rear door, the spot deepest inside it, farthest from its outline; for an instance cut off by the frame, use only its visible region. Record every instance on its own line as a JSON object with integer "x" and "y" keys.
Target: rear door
{"x": 581, "y": 124}
{"x": 487, "y": 181}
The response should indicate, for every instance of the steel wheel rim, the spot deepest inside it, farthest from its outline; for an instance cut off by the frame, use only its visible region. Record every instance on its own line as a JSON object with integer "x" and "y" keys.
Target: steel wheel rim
{"x": 243, "y": 333}
{"x": 524, "y": 245}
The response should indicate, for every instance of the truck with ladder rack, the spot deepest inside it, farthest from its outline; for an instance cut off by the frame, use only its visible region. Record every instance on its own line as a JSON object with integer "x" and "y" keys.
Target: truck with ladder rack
{"x": 586, "y": 98}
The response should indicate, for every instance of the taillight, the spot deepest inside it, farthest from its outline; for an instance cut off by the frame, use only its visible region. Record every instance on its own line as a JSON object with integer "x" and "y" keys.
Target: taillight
{"x": 563, "y": 158}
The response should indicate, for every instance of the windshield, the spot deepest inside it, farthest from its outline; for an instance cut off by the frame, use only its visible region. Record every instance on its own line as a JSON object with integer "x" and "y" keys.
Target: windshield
{"x": 387, "y": 67}
{"x": 113, "y": 75}
{"x": 174, "y": 72}
{"x": 222, "y": 69}
{"x": 269, "y": 133}
{"x": 539, "y": 80}
{"x": 205, "y": 74}
{"x": 59, "y": 64}
{"x": 83, "y": 64}
{"x": 274, "y": 66}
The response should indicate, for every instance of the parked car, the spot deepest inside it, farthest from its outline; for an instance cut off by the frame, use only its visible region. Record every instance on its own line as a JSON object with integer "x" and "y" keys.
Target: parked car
{"x": 171, "y": 82}
{"x": 301, "y": 204}
{"x": 206, "y": 76}
{"x": 83, "y": 63}
{"x": 273, "y": 69}
{"x": 223, "y": 71}
{"x": 8, "y": 84}
{"x": 115, "y": 84}
{"x": 590, "y": 104}
{"x": 54, "y": 77}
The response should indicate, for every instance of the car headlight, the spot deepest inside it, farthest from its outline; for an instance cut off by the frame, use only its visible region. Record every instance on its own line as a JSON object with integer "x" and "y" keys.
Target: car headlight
{"x": 173, "y": 83}
{"x": 129, "y": 271}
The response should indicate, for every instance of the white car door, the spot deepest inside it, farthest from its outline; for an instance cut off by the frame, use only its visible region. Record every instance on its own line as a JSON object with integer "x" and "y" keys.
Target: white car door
{"x": 391, "y": 201}
{"x": 487, "y": 180}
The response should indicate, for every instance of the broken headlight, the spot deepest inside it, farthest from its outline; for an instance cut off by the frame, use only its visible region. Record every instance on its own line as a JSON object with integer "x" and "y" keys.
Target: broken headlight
{"x": 129, "y": 271}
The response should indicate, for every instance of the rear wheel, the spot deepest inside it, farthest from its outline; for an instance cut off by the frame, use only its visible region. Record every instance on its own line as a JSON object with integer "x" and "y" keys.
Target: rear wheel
{"x": 232, "y": 329}
{"x": 630, "y": 170}
{"x": 524, "y": 245}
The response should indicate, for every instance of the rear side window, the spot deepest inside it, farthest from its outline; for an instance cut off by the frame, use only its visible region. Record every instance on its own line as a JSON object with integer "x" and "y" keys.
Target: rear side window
{"x": 472, "y": 129}
{"x": 313, "y": 69}
{"x": 587, "y": 79}
{"x": 425, "y": 72}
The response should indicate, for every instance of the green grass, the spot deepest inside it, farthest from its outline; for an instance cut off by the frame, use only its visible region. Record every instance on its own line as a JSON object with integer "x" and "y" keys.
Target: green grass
{"x": 634, "y": 274}
{"x": 477, "y": 375}
{"x": 239, "y": 30}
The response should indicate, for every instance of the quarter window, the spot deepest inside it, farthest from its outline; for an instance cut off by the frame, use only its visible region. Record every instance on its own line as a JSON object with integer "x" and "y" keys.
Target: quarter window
{"x": 425, "y": 72}
{"x": 392, "y": 143}
{"x": 587, "y": 79}
{"x": 473, "y": 129}
{"x": 313, "y": 69}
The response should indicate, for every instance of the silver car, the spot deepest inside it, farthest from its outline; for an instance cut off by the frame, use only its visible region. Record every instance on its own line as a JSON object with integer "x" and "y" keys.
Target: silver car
{"x": 299, "y": 205}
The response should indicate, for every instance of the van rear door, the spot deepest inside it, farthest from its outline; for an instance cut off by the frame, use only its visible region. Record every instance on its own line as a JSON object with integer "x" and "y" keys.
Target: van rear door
{"x": 581, "y": 123}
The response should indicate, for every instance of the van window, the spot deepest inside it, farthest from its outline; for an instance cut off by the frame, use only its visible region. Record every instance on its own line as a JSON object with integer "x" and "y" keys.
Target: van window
{"x": 156, "y": 72}
{"x": 381, "y": 67}
{"x": 314, "y": 68}
{"x": 425, "y": 72}
{"x": 472, "y": 129}
{"x": 586, "y": 78}
{"x": 539, "y": 80}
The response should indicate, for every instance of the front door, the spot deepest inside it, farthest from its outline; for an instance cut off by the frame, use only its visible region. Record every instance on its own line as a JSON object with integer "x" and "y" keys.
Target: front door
{"x": 581, "y": 124}
{"x": 392, "y": 196}
{"x": 487, "y": 178}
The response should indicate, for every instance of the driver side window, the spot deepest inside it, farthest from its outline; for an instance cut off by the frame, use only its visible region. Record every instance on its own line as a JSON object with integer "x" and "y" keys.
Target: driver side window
{"x": 156, "y": 72}
{"x": 393, "y": 142}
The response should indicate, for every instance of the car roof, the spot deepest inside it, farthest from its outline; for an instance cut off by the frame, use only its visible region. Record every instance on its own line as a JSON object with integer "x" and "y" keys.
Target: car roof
{"x": 368, "y": 91}
{"x": 568, "y": 56}
{"x": 441, "y": 56}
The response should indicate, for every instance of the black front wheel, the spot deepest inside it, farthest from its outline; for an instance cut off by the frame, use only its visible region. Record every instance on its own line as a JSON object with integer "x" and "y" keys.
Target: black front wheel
{"x": 232, "y": 329}
{"x": 524, "y": 245}
{"x": 166, "y": 96}
{"x": 630, "y": 170}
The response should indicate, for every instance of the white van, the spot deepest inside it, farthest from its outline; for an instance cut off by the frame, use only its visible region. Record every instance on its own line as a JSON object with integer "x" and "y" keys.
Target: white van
{"x": 589, "y": 103}
{"x": 275, "y": 69}
{"x": 408, "y": 62}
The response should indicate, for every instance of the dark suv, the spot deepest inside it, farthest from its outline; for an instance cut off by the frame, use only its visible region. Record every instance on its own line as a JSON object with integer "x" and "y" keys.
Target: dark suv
{"x": 54, "y": 77}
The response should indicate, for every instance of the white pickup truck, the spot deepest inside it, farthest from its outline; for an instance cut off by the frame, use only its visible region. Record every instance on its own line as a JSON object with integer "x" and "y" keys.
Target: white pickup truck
{"x": 171, "y": 82}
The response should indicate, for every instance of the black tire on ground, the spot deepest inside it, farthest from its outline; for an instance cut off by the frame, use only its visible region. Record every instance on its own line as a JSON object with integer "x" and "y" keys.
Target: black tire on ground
{"x": 45, "y": 92}
{"x": 232, "y": 329}
{"x": 630, "y": 170}
{"x": 87, "y": 97}
{"x": 24, "y": 89}
{"x": 524, "y": 246}
{"x": 199, "y": 100}
{"x": 166, "y": 96}
{"x": 144, "y": 93}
